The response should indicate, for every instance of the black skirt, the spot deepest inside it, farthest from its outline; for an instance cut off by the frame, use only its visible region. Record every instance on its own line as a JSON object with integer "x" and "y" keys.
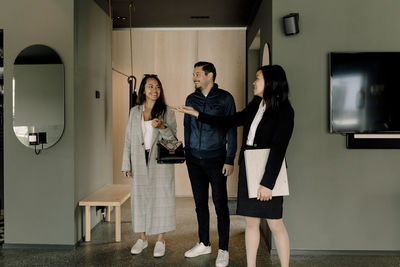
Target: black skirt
{"x": 252, "y": 207}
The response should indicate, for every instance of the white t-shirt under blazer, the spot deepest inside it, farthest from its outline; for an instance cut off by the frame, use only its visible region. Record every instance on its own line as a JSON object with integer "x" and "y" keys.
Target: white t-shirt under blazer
{"x": 147, "y": 130}
{"x": 255, "y": 123}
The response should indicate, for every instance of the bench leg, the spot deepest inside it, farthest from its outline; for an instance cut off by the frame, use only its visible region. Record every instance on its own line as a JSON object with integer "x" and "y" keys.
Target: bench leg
{"x": 108, "y": 213}
{"x": 117, "y": 223}
{"x": 87, "y": 223}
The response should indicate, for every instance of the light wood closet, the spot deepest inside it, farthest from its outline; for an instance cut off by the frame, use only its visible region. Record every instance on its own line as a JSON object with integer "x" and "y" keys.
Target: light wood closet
{"x": 171, "y": 54}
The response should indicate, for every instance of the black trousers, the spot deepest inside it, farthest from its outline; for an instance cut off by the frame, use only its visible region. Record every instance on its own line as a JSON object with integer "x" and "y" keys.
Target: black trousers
{"x": 203, "y": 172}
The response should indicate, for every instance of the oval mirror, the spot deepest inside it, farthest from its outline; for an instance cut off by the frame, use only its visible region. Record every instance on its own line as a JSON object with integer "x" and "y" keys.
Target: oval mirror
{"x": 38, "y": 96}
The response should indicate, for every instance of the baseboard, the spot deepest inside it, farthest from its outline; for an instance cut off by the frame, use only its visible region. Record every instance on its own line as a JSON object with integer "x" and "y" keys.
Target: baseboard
{"x": 341, "y": 252}
{"x": 39, "y": 246}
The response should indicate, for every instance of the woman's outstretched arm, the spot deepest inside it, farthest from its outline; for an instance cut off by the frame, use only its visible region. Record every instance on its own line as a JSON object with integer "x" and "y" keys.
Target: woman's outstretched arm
{"x": 234, "y": 120}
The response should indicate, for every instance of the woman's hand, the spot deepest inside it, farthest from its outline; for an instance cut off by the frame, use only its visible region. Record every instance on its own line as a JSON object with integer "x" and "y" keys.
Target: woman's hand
{"x": 157, "y": 123}
{"x": 127, "y": 174}
{"x": 264, "y": 193}
{"x": 187, "y": 110}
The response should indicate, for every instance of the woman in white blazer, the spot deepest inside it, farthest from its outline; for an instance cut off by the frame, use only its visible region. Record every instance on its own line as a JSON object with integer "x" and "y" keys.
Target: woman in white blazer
{"x": 152, "y": 184}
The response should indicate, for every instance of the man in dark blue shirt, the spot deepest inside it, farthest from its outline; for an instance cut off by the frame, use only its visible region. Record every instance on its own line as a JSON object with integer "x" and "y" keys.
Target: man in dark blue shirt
{"x": 208, "y": 159}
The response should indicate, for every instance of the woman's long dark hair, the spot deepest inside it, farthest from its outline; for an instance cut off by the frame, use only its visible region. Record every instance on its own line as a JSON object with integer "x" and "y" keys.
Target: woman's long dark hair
{"x": 276, "y": 90}
{"x": 160, "y": 107}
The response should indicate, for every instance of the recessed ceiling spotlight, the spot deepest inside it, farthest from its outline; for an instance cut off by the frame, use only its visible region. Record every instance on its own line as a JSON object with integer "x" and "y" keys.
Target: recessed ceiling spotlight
{"x": 119, "y": 18}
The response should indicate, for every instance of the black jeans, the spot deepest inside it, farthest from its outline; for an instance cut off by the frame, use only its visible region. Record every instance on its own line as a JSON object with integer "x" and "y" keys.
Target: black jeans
{"x": 203, "y": 172}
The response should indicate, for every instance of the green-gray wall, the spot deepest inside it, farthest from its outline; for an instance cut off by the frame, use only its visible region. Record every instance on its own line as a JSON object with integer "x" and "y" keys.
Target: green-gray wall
{"x": 42, "y": 192}
{"x": 93, "y": 146}
{"x": 39, "y": 190}
{"x": 262, "y": 22}
{"x": 340, "y": 199}
{"x": 253, "y": 63}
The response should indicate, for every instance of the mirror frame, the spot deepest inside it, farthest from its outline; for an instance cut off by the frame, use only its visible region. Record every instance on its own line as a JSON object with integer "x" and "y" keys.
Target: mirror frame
{"x": 39, "y": 54}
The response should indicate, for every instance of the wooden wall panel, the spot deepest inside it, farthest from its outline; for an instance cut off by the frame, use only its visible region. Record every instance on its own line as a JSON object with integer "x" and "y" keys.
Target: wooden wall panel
{"x": 176, "y": 53}
{"x": 171, "y": 54}
{"x": 143, "y": 62}
{"x": 226, "y": 49}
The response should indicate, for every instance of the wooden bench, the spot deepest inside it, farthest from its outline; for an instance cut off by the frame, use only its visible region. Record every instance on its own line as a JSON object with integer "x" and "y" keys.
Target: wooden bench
{"x": 111, "y": 195}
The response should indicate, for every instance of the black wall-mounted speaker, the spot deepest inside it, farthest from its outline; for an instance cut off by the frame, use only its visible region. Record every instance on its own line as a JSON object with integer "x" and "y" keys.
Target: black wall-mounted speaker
{"x": 291, "y": 24}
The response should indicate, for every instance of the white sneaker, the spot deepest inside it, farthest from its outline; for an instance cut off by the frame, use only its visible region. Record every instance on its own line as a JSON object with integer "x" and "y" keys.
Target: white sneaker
{"x": 222, "y": 258}
{"x": 159, "y": 249}
{"x": 139, "y": 246}
{"x": 197, "y": 250}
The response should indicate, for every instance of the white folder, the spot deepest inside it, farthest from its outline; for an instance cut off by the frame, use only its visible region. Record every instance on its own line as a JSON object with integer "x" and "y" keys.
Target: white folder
{"x": 256, "y": 161}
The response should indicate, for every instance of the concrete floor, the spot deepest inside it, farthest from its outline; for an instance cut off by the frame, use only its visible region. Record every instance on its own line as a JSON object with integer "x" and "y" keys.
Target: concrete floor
{"x": 103, "y": 251}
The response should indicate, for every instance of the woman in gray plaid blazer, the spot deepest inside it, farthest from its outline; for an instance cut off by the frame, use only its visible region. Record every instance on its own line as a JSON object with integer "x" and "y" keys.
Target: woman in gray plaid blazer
{"x": 152, "y": 184}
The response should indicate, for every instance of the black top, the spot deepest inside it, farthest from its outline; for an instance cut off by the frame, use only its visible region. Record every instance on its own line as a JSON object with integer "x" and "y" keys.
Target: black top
{"x": 273, "y": 132}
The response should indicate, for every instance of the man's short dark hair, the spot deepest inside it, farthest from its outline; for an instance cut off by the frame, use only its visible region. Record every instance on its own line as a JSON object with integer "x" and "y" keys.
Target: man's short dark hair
{"x": 207, "y": 68}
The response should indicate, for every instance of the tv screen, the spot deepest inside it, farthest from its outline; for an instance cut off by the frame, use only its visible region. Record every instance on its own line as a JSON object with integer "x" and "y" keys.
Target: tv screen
{"x": 365, "y": 92}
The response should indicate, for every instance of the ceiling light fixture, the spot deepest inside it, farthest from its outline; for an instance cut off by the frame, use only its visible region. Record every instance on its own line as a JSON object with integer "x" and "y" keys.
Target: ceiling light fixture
{"x": 120, "y": 18}
{"x": 199, "y": 17}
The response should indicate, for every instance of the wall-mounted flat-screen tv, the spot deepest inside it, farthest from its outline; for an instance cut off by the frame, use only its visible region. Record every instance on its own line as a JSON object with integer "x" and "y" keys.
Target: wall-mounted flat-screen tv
{"x": 365, "y": 92}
